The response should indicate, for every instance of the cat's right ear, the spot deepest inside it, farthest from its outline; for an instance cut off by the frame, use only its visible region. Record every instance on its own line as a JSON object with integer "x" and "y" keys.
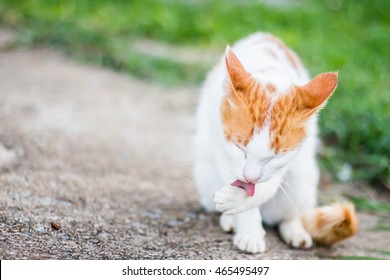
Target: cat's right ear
{"x": 239, "y": 78}
{"x": 315, "y": 93}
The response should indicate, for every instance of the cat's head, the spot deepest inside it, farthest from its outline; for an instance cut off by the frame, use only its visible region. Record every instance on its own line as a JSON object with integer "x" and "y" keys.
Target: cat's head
{"x": 264, "y": 128}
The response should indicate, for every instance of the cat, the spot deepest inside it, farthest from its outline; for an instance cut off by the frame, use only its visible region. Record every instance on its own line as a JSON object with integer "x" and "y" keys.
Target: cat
{"x": 255, "y": 147}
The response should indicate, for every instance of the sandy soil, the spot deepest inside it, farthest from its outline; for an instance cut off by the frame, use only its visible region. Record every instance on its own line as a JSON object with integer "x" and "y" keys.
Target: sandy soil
{"x": 107, "y": 158}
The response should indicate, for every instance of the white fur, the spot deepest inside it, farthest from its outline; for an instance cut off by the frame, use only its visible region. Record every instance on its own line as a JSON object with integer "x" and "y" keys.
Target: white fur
{"x": 286, "y": 185}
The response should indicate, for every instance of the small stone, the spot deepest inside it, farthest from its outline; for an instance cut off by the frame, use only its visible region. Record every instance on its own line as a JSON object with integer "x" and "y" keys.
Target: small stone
{"x": 102, "y": 237}
{"x": 55, "y": 225}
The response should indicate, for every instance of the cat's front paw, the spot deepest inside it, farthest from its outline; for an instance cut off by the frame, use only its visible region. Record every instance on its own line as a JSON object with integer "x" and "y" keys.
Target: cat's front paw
{"x": 250, "y": 243}
{"x": 230, "y": 200}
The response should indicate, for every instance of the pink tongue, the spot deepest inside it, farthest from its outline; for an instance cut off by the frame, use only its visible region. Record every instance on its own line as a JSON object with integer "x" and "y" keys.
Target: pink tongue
{"x": 248, "y": 187}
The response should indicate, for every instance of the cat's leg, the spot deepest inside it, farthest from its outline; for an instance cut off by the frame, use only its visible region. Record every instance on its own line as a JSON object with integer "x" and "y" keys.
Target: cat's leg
{"x": 286, "y": 209}
{"x": 249, "y": 236}
{"x": 294, "y": 234}
{"x": 300, "y": 193}
{"x": 227, "y": 223}
{"x": 249, "y": 232}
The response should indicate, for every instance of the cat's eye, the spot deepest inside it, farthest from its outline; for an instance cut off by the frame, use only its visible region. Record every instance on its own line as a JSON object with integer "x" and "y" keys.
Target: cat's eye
{"x": 266, "y": 160}
{"x": 241, "y": 150}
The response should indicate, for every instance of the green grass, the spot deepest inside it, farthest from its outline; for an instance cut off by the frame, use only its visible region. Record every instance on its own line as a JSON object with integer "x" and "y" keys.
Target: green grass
{"x": 382, "y": 252}
{"x": 352, "y": 258}
{"x": 351, "y": 37}
{"x": 371, "y": 205}
{"x": 386, "y": 255}
{"x": 381, "y": 227}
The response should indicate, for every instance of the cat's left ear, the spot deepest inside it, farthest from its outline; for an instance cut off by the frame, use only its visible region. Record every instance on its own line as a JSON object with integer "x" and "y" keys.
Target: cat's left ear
{"x": 315, "y": 93}
{"x": 239, "y": 78}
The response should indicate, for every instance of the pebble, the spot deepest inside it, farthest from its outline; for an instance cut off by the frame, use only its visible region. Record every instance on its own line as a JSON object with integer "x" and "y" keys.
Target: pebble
{"x": 102, "y": 237}
{"x": 55, "y": 225}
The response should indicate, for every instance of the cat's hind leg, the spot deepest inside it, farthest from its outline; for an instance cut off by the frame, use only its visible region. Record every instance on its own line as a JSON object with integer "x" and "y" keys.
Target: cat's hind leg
{"x": 294, "y": 234}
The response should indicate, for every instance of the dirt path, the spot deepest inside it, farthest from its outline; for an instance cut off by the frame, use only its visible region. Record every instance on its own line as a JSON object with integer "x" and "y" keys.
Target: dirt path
{"x": 106, "y": 157}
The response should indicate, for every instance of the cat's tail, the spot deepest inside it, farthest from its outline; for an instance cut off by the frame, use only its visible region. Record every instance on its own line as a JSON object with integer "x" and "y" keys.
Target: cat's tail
{"x": 330, "y": 224}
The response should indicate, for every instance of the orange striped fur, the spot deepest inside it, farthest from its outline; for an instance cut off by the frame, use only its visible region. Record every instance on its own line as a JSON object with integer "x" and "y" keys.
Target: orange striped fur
{"x": 291, "y": 111}
{"x": 246, "y": 104}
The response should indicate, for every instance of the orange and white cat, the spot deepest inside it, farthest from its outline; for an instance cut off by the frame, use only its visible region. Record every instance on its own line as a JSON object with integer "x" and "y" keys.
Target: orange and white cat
{"x": 256, "y": 144}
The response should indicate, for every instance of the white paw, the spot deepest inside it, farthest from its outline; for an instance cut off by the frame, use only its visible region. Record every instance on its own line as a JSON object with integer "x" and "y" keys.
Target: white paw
{"x": 251, "y": 243}
{"x": 227, "y": 223}
{"x": 298, "y": 239}
{"x": 230, "y": 200}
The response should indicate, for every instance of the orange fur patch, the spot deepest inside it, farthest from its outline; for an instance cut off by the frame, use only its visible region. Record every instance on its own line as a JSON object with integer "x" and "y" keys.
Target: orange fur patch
{"x": 318, "y": 90}
{"x": 287, "y": 125}
{"x": 246, "y": 104}
{"x": 290, "y": 112}
{"x": 331, "y": 224}
{"x": 244, "y": 111}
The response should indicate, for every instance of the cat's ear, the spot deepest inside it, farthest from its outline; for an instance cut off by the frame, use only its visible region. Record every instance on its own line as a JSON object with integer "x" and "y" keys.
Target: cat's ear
{"x": 315, "y": 93}
{"x": 239, "y": 78}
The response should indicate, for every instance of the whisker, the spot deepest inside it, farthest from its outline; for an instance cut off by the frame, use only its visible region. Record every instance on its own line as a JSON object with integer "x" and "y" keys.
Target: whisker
{"x": 288, "y": 197}
{"x": 211, "y": 174}
{"x": 296, "y": 192}
{"x": 221, "y": 173}
{"x": 212, "y": 169}
{"x": 201, "y": 173}
{"x": 194, "y": 163}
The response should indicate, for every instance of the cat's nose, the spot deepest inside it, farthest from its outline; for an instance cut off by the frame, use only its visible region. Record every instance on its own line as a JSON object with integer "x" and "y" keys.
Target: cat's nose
{"x": 252, "y": 172}
{"x": 251, "y": 179}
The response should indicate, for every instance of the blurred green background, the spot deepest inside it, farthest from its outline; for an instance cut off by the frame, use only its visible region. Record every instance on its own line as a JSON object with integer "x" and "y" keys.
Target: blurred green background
{"x": 350, "y": 36}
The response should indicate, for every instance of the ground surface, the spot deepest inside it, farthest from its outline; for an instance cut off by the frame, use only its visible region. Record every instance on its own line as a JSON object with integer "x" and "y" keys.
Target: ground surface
{"x": 108, "y": 158}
